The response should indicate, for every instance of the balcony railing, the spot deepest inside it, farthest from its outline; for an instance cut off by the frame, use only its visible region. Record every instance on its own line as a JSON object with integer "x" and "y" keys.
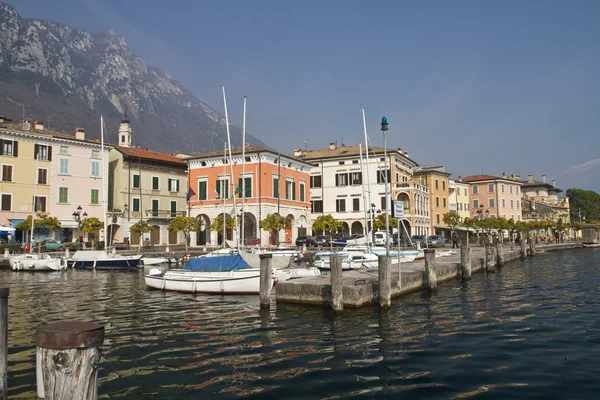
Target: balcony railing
{"x": 412, "y": 186}
{"x": 163, "y": 214}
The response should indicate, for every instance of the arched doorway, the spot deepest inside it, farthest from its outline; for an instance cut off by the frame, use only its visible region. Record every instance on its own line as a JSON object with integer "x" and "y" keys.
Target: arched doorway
{"x": 405, "y": 199}
{"x": 249, "y": 228}
{"x": 357, "y": 228}
{"x": 289, "y": 229}
{"x": 113, "y": 231}
{"x": 155, "y": 235}
{"x": 345, "y": 228}
{"x": 203, "y": 233}
{"x": 135, "y": 238}
{"x": 228, "y": 231}
{"x": 173, "y": 236}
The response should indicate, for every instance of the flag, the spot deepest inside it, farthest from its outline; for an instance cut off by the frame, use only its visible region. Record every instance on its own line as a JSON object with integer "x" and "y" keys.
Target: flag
{"x": 190, "y": 193}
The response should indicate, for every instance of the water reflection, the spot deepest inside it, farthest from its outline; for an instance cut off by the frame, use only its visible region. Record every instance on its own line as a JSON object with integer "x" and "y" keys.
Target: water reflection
{"x": 529, "y": 331}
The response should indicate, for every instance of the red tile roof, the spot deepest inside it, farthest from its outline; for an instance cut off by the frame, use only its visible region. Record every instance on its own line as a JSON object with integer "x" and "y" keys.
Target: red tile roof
{"x": 151, "y": 155}
{"x": 475, "y": 178}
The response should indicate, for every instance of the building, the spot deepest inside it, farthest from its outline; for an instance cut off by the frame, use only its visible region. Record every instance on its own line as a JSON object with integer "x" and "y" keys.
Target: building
{"x": 340, "y": 186}
{"x": 438, "y": 182}
{"x": 274, "y": 184}
{"x": 540, "y": 201}
{"x": 540, "y": 191}
{"x": 57, "y": 172}
{"x": 493, "y": 196}
{"x": 148, "y": 185}
{"x": 459, "y": 197}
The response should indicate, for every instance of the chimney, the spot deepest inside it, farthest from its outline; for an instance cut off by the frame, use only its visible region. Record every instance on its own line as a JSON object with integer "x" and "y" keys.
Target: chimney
{"x": 297, "y": 152}
{"x": 554, "y": 182}
{"x": 79, "y": 133}
{"x": 460, "y": 178}
{"x": 25, "y": 125}
{"x": 400, "y": 150}
{"x": 1, "y": 119}
{"x": 504, "y": 175}
{"x": 530, "y": 178}
{"x": 38, "y": 126}
{"x": 544, "y": 178}
{"x": 332, "y": 146}
{"x": 406, "y": 154}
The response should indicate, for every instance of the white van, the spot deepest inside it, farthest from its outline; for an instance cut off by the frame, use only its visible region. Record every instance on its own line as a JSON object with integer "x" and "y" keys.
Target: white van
{"x": 380, "y": 238}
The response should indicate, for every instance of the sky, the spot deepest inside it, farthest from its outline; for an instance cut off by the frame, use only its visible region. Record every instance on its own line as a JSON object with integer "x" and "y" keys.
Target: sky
{"x": 477, "y": 86}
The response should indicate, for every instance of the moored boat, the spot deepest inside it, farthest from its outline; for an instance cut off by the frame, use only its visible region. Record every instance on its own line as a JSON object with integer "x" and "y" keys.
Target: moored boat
{"x": 102, "y": 259}
{"x": 156, "y": 260}
{"x": 37, "y": 262}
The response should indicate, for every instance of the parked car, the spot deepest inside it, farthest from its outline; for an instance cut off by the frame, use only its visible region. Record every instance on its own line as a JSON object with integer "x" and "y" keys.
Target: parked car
{"x": 49, "y": 245}
{"x": 380, "y": 238}
{"x": 436, "y": 241}
{"x": 339, "y": 239}
{"x": 418, "y": 239}
{"x": 322, "y": 241}
{"x": 306, "y": 240}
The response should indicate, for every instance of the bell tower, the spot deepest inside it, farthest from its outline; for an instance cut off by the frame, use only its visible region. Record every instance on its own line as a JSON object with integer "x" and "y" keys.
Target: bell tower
{"x": 125, "y": 133}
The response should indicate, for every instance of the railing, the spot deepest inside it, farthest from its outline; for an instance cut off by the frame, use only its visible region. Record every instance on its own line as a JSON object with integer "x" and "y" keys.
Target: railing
{"x": 412, "y": 186}
{"x": 163, "y": 214}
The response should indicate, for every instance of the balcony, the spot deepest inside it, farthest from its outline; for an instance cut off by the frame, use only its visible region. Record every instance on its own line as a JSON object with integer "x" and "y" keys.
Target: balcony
{"x": 163, "y": 214}
{"x": 452, "y": 208}
{"x": 412, "y": 186}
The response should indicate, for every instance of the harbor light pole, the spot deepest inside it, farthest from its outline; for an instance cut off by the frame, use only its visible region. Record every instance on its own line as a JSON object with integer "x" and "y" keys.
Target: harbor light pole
{"x": 384, "y": 128}
{"x": 77, "y": 216}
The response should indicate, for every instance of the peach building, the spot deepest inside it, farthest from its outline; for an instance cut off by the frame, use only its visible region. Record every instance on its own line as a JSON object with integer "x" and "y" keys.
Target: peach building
{"x": 495, "y": 196}
{"x": 274, "y": 184}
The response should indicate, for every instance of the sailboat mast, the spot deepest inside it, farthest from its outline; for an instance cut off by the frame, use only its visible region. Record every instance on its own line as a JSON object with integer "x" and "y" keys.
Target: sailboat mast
{"x": 104, "y": 186}
{"x": 367, "y": 157}
{"x": 35, "y": 180}
{"x": 243, "y": 171}
{"x": 223, "y": 193}
{"x": 363, "y": 193}
{"x": 230, "y": 159}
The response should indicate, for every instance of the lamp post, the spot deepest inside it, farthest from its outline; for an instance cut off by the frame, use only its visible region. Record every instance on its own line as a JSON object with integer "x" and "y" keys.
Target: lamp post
{"x": 384, "y": 128}
{"x": 79, "y": 217}
{"x": 372, "y": 212}
{"x": 481, "y": 215}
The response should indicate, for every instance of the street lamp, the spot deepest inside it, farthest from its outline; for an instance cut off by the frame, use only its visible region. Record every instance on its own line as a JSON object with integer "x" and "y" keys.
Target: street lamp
{"x": 372, "y": 212}
{"x": 384, "y": 128}
{"x": 77, "y": 216}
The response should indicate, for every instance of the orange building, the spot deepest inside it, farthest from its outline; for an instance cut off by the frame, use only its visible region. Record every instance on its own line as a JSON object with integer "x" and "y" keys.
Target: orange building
{"x": 274, "y": 184}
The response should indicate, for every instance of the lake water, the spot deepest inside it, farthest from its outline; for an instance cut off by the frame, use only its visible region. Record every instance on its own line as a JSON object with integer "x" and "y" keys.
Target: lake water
{"x": 530, "y": 331}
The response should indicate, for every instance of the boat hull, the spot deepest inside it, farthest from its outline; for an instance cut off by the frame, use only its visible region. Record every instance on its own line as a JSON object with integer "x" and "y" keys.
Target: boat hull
{"x": 238, "y": 282}
{"x": 112, "y": 263}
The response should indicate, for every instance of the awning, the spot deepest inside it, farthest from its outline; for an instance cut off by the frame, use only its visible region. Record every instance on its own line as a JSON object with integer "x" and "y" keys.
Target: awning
{"x": 458, "y": 228}
{"x": 6, "y": 229}
{"x": 68, "y": 224}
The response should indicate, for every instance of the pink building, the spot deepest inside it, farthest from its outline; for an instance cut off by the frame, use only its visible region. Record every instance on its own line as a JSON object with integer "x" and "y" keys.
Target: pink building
{"x": 495, "y": 196}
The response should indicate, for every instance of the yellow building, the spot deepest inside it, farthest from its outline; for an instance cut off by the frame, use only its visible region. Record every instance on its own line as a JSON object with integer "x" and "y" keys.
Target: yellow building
{"x": 437, "y": 180}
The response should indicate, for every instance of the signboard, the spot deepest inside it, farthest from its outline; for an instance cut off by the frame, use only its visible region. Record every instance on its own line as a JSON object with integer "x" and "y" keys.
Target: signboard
{"x": 398, "y": 209}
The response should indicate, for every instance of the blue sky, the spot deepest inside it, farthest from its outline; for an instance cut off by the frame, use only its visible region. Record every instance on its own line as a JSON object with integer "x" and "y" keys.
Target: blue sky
{"x": 477, "y": 86}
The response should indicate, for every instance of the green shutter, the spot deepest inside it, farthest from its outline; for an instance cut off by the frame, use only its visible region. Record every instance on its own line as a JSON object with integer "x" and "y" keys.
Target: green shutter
{"x": 294, "y": 191}
{"x": 155, "y": 208}
{"x": 94, "y": 199}
{"x": 248, "y": 187}
{"x": 136, "y": 181}
{"x": 301, "y": 192}
{"x": 136, "y": 205}
{"x": 287, "y": 191}
{"x": 202, "y": 190}
{"x": 63, "y": 195}
{"x": 276, "y": 188}
{"x": 239, "y": 188}
{"x": 173, "y": 209}
{"x": 155, "y": 183}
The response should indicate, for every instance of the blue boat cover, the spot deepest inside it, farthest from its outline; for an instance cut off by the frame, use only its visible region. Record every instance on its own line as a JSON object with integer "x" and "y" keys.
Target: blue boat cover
{"x": 216, "y": 263}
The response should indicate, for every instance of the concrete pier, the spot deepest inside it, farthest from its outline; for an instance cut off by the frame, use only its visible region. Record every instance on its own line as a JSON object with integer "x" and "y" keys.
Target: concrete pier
{"x": 360, "y": 287}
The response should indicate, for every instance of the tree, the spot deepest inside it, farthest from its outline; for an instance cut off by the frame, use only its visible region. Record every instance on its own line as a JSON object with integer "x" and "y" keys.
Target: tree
{"x": 379, "y": 222}
{"x": 274, "y": 223}
{"x": 501, "y": 224}
{"x": 452, "y": 219}
{"x": 140, "y": 227}
{"x": 585, "y": 201}
{"x": 217, "y": 224}
{"x": 92, "y": 225}
{"x": 326, "y": 224}
{"x": 469, "y": 223}
{"x": 525, "y": 228}
{"x": 511, "y": 226}
{"x": 185, "y": 225}
{"x": 43, "y": 222}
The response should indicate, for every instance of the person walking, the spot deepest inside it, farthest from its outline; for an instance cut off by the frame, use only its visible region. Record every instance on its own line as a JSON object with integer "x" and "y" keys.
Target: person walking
{"x": 454, "y": 240}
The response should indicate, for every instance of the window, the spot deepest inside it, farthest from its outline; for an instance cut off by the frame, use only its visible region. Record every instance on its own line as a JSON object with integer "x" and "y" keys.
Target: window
{"x": 42, "y": 176}
{"x": 510, "y": 188}
{"x": 95, "y": 173}
{"x": 173, "y": 185}
{"x": 437, "y": 218}
{"x": 517, "y": 203}
{"x": 517, "y": 190}
{"x": 492, "y": 203}
{"x": 173, "y": 208}
{"x": 466, "y": 206}
{"x": 63, "y": 169}
{"x": 518, "y": 217}
{"x": 40, "y": 203}
{"x": 63, "y": 195}
{"x": 155, "y": 207}
{"x": 437, "y": 184}
{"x": 240, "y": 188}
{"x": 342, "y": 162}
{"x": 490, "y": 188}
{"x": 503, "y": 202}
{"x": 475, "y": 189}
{"x": 6, "y": 202}
{"x": 316, "y": 206}
{"x": 383, "y": 204}
{"x": 444, "y": 202}
{"x": 135, "y": 206}
{"x": 7, "y": 173}
{"x": 537, "y": 192}
{"x": 443, "y": 185}
{"x": 340, "y": 205}
{"x": 302, "y": 192}
{"x": 290, "y": 190}
{"x": 202, "y": 190}
{"x": 315, "y": 181}
{"x": 155, "y": 183}
{"x": 437, "y": 201}
{"x": 466, "y": 192}
{"x": 136, "y": 181}
{"x": 43, "y": 152}
{"x": 475, "y": 204}
{"x": 512, "y": 204}
{"x": 8, "y": 148}
{"x": 341, "y": 179}
{"x": 503, "y": 188}
{"x": 222, "y": 187}
{"x": 276, "y": 187}
{"x": 381, "y": 176}
{"x": 64, "y": 150}
{"x": 356, "y": 204}
{"x": 356, "y": 178}
{"x": 95, "y": 154}
{"x": 94, "y": 196}
{"x": 354, "y": 161}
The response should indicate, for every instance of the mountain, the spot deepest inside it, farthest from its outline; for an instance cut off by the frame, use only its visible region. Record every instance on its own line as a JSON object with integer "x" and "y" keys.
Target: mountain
{"x": 81, "y": 75}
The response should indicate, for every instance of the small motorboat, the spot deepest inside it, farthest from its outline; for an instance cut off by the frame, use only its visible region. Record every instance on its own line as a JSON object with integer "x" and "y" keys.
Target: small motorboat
{"x": 157, "y": 260}
{"x": 42, "y": 263}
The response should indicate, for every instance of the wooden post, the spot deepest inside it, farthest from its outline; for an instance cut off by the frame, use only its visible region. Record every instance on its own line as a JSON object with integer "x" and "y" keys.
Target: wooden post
{"x": 385, "y": 282}
{"x": 67, "y": 254}
{"x": 266, "y": 283}
{"x": 68, "y": 356}
{"x": 3, "y": 343}
{"x": 531, "y": 247}
{"x": 6, "y": 254}
{"x": 500, "y": 254}
{"x": 490, "y": 258}
{"x": 465, "y": 260}
{"x": 430, "y": 275}
{"x": 337, "y": 284}
{"x": 522, "y": 251}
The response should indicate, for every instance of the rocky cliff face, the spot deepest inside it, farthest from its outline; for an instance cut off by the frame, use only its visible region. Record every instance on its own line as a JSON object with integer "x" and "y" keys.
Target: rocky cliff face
{"x": 82, "y": 75}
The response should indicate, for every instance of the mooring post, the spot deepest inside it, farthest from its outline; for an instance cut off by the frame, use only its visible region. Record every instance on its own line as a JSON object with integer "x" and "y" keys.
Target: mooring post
{"x": 67, "y": 254}
{"x": 531, "y": 247}
{"x": 465, "y": 261}
{"x": 266, "y": 280}
{"x": 6, "y": 254}
{"x": 68, "y": 355}
{"x": 522, "y": 251}
{"x": 430, "y": 275}
{"x": 500, "y": 254}
{"x": 490, "y": 258}
{"x": 337, "y": 284}
{"x": 385, "y": 281}
{"x": 3, "y": 343}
